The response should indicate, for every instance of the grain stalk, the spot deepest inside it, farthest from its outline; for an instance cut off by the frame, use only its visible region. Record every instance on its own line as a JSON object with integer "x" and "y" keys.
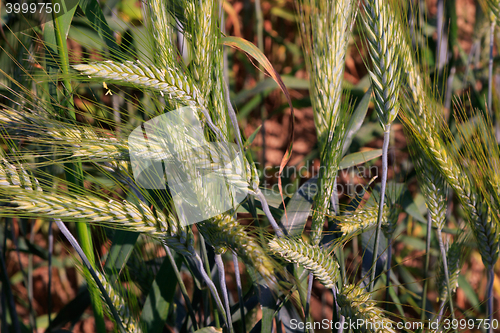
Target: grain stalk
{"x": 383, "y": 39}
{"x": 312, "y": 257}
{"x": 434, "y": 189}
{"x": 222, "y": 282}
{"x": 494, "y": 8}
{"x": 326, "y": 29}
{"x": 355, "y": 304}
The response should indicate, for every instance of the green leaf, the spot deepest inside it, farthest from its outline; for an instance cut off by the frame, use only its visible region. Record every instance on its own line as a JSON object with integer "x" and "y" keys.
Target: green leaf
{"x": 72, "y": 311}
{"x": 94, "y": 14}
{"x": 157, "y": 305}
{"x": 357, "y": 119}
{"x": 299, "y": 208}
{"x": 359, "y": 158}
{"x": 252, "y": 137}
{"x": 121, "y": 248}
{"x": 269, "y": 84}
{"x": 469, "y": 292}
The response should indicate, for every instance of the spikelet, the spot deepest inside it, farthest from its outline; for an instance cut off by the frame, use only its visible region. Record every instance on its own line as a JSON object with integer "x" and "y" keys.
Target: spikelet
{"x": 384, "y": 40}
{"x": 203, "y": 32}
{"x": 224, "y": 232}
{"x": 454, "y": 267}
{"x": 119, "y": 215}
{"x": 361, "y": 220}
{"x": 355, "y": 304}
{"x": 313, "y": 258}
{"x": 129, "y": 322}
{"x": 19, "y": 187}
{"x": 167, "y": 81}
{"x": 163, "y": 31}
{"x": 433, "y": 188}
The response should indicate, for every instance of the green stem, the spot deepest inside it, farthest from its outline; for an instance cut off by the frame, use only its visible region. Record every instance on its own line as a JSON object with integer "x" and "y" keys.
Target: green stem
{"x": 385, "y": 148}
{"x": 388, "y": 279}
{"x": 223, "y": 287}
{"x": 490, "y": 69}
{"x": 76, "y": 177}
{"x": 446, "y": 275}
{"x": 207, "y": 267}
{"x": 182, "y": 286}
{"x": 307, "y": 314}
{"x": 240, "y": 291}
{"x": 260, "y": 44}
{"x": 210, "y": 285}
{"x": 426, "y": 265}
{"x": 489, "y": 295}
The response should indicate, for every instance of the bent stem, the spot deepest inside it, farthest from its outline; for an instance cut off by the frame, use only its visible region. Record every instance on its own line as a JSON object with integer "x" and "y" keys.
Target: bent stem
{"x": 223, "y": 287}
{"x": 182, "y": 286}
{"x": 240, "y": 291}
{"x": 210, "y": 285}
{"x": 426, "y": 265}
{"x": 446, "y": 276}
{"x": 385, "y": 148}
{"x": 489, "y": 295}
{"x": 267, "y": 211}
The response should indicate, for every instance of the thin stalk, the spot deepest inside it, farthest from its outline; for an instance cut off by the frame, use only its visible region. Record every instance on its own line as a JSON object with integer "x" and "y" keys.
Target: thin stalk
{"x": 30, "y": 280}
{"x": 490, "y": 81}
{"x": 26, "y": 275}
{"x": 388, "y": 279}
{"x": 260, "y": 44}
{"x": 440, "y": 28}
{"x": 74, "y": 243}
{"x": 446, "y": 275}
{"x": 334, "y": 203}
{"x": 8, "y": 292}
{"x": 490, "y": 69}
{"x": 182, "y": 286}
{"x": 210, "y": 285}
{"x": 426, "y": 265}
{"x": 207, "y": 267}
{"x": 223, "y": 287}
{"x": 76, "y": 177}
{"x": 240, "y": 291}
{"x": 336, "y": 312}
{"x": 489, "y": 295}
{"x": 308, "y": 297}
{"x": 267, "y": 211}
{"x": 385, "y": 148}
{"x": 49, "y": 286}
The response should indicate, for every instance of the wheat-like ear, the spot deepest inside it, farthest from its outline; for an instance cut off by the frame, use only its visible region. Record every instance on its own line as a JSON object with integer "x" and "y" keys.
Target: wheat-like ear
{"x": 326, "y": 29}
{"x": 23, "y": 191}
{"x": 129, "y": 322}
{"x": 165, "y": 81}
{"x": 454, "y": 267}
{"x": 384, "y": 43}
{"x": 355, "y": 304}
{"x": 224, "y": 232}
{"x": 312, "y": 257}
{"x": 433, "y": 188}
{"x": 361, "y": 220}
